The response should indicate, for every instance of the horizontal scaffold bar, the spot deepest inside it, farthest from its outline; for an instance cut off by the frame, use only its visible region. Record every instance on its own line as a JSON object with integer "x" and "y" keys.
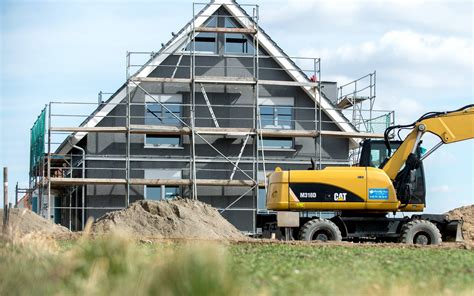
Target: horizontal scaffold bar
{"x": 95, "y": 129}
{"x": 225, "y": 80}
{"x": 226, "y": 30}
{"x": 176, "y": 130}
{"x": 358, "y": 135}
{"x": 151, "y": 182}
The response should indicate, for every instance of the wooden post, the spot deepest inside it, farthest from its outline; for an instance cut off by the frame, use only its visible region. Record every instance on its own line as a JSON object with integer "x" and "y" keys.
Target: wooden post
{"x": 5, "y": 199}
{"x": 16, "y": 195}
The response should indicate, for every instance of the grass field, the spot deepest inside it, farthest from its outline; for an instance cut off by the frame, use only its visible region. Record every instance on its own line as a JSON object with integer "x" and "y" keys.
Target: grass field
{"x": 118, "y": 266}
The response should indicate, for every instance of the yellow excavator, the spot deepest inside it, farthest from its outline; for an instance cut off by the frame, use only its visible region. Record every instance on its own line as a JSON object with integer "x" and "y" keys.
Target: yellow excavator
{"x": 388, "y": 179}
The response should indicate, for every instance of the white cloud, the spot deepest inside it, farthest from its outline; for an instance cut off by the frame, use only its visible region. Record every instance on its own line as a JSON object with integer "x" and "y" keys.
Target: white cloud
{"x": 406, "y": 109}
{"x": 440, "y": 189}
{"x": 431, "y": 15}
{"x": 415, "y": 72}
{"x": 405, "y": 47}
{"x": 442, "y": 158}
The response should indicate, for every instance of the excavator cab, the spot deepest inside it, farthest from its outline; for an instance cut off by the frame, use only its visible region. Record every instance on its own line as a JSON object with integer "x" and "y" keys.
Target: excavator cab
{"x": 375, "y": 154}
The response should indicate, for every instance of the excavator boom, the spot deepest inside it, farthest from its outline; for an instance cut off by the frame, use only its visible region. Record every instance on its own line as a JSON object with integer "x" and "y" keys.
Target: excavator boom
{"x": 450, "y": 127}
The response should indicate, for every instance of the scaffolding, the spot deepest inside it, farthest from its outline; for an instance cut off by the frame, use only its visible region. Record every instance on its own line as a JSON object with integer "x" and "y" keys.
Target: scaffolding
{"x": 356, "y": 100}
{"x": 70, "y": 173}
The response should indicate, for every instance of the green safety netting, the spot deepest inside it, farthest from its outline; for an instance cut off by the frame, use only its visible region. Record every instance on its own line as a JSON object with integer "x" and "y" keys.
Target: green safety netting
{"x": 379, "y": 124}
{"x": 37, "y": 141}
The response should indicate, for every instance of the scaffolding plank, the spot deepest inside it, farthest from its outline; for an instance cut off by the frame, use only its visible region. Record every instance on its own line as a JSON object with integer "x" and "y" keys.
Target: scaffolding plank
{"x": 117, "y": 129}
{"x": 87, "y": 181}
{"x": 274, "y": 133}
{"x": 150, "y": 182}
{"x": 348, "y": 102}
{"x": 161, "y": 79}
{"x": 226, "y": 30}
{"x": 270, "y": 133}
{"x": 210, "y": 182}
{"x": 339, "y": 134}
{"x": 159, "y": 129}
{"x": 176, "y": 130}
{"x": 169, "y": 182}
{"x": 287, "y": 83}
{"x": 225, "y": 131}
{"x": 224, "y": 80}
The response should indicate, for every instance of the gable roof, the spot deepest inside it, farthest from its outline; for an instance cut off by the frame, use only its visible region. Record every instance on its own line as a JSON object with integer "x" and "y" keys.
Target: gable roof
{"x": 180, "y": 39}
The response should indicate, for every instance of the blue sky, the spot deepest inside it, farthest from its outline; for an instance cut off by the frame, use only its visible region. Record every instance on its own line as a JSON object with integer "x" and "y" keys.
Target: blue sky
{"x": 71, "y": 50}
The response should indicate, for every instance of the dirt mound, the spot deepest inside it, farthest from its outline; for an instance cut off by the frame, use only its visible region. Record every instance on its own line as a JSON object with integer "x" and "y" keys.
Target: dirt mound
{"x": 176, "y": 219}
{"x": 467, "y": 215}
{"x": 24, "y": 221}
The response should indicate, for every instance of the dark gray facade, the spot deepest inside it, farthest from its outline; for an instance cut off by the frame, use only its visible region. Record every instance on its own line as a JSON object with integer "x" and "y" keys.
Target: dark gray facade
{"x": 234, "y": 107}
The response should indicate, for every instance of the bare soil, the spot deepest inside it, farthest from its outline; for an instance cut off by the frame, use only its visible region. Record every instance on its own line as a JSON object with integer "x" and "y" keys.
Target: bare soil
{"x": 176, "y": 219}
{"x": 467, "y": 215}
{"x": 185, "y": 219}
{"x": 24, "y": 221}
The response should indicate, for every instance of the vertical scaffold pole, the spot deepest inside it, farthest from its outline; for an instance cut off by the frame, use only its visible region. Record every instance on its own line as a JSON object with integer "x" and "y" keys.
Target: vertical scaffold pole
{"x": 316, "y": 116}
{"x": 127, "y": 156}
{"x": 49, "y": 163}
{"x": 193, "y": 106}
{"x": 320, "y": 117}
{"x": 257, "y": 94}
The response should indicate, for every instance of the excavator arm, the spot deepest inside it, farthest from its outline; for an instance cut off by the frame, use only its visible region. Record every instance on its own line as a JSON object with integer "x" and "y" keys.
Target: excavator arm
{"x": 450, "y": 127}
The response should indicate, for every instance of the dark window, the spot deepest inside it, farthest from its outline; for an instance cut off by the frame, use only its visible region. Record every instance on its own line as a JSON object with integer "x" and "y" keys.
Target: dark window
{"x": 163, "y": 141}
{"x": 238, "y": 43}
{"x": 156, "y": 114}
{"x": 161, "y": 192}
{"x": 153, "y": 192}
{"x": 262, "y": 202}
{"x": 205, "y": 42}
{"x": 280, "y": 117}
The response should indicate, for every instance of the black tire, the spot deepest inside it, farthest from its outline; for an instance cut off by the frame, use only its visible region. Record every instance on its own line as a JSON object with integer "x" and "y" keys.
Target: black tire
{"x": 321, "y": 230}
{"x": 420, "y": 232}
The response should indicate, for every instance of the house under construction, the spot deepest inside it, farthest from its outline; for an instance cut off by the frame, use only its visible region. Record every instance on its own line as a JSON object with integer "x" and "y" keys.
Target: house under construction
{"x": 206, "y": 117}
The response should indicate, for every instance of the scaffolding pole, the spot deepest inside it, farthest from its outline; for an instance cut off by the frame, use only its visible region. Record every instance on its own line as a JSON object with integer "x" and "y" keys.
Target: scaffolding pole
{"x": 49, "y": 164}
{"x": 127, "y": 160}
{"x": 320, "y": 117}
{"x": 257, "y": 94}
{"x": 193, "y": 104}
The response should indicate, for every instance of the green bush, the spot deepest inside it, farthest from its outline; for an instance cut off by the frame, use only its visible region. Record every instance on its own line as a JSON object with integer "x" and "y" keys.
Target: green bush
{"x": 118, "y": 266}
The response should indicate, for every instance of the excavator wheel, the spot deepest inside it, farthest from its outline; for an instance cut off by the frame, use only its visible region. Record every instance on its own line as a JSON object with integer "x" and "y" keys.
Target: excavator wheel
{"x": 420, "y": 232}
{"x": 320, "y": 230}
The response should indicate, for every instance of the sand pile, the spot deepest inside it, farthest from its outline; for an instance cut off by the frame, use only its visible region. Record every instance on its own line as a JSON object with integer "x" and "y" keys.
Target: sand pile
{"x": 467, "y": 215}
{"x": 176, "y": 219}
{"x": 24, "y": 221}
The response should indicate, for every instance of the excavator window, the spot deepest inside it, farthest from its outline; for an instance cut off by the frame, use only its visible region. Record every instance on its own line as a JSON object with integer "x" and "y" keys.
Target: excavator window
{"x": 374, "y": 152}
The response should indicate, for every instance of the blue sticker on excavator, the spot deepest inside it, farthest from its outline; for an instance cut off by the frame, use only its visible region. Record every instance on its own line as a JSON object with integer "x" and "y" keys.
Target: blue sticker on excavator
{"x": 378, "y": 194}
